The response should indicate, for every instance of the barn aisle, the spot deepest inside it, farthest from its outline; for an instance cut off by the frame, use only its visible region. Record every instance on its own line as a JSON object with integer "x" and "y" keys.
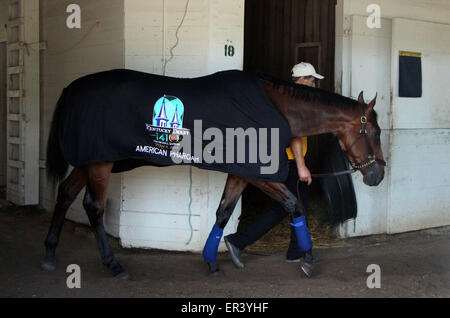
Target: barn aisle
{"x": 415, "y": 264}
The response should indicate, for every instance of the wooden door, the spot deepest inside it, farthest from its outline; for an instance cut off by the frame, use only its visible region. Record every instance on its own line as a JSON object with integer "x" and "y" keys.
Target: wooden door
{"x": 282, "y": 33}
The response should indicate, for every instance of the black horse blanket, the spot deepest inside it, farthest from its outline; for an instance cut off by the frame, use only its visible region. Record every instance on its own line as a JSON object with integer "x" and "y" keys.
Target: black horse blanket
{"x": 135, "y": 119}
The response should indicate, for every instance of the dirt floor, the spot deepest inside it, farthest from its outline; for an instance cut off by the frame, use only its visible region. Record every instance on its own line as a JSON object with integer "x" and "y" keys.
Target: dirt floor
{"x": 412, "y": 265}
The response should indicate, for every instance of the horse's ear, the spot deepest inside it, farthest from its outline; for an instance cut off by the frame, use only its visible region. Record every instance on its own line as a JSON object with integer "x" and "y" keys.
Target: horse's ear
{"x": 361, "y": 98}
{"x": 371, "y": 105}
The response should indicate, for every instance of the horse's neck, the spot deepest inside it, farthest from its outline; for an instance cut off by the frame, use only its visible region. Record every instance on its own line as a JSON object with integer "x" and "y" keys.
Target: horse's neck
{"x": 304, "y": 118}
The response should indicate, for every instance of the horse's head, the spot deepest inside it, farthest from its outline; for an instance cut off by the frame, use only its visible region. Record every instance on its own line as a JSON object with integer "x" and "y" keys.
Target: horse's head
{"x": 360, "y": 140}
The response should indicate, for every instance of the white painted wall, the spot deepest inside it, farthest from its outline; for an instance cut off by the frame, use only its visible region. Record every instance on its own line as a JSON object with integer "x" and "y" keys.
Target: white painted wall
{"x": 415, "y": 191}
{"x": 150, "y": 28}
{"x": 3, "y": 156}
{"x": 420, "y": 179}
{"x": 420, "y": 173}
{"x": 367, "y": 69}
{"x": 432, "y": 110}
{"x": 424, "y": 10}
{"x": 155, "y": 200}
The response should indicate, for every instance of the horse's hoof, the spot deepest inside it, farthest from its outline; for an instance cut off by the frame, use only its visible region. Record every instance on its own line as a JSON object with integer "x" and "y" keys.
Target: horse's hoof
{"x": 216, "y": 274}
{"x": 48, "y": 266}
{"x": 124, "y": 276}
{"x": 214, "y": 270}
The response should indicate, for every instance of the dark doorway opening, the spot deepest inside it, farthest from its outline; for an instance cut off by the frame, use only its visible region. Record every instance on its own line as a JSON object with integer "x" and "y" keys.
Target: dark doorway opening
{"x": 278, "y": 35}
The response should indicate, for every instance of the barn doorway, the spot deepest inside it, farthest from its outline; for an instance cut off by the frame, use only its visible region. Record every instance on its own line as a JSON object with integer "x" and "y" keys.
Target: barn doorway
{"x": 3, "y": 100}
{"x": 278, "y": 35}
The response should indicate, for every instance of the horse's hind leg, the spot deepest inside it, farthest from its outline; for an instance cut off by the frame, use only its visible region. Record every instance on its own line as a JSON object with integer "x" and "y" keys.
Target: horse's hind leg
{"x": 67, "y": 193}
{"x": 232, "y": 192}
{"x": 279, "y": 192}
{"x": 94, "y": 204}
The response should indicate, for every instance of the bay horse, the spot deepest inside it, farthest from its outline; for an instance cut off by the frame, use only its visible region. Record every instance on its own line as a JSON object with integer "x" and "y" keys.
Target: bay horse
{"x": 308, "y": 111}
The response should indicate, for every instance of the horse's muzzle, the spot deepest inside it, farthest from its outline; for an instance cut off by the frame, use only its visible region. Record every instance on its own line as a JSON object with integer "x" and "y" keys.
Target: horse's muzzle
{"x": 374, "y": 175}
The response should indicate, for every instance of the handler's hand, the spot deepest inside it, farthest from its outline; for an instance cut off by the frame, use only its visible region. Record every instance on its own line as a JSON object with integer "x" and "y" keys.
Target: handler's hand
{"x": 304, "y": 174}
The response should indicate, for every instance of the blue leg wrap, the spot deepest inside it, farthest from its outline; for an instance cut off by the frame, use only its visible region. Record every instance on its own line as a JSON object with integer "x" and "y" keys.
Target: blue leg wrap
{"x": 212, "y": 244}
{"x": 301, "y": 230}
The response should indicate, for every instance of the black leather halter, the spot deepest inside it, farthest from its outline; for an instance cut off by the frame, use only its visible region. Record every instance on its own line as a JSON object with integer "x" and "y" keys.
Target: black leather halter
{"x": 371, "y": 159}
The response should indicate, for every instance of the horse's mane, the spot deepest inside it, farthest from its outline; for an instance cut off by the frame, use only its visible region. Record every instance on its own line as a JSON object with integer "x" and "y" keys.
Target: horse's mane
{"x": 311, "y": 94}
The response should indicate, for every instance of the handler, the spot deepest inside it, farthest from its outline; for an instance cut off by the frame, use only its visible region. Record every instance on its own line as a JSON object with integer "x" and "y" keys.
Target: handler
{"x": 303, "y": 74}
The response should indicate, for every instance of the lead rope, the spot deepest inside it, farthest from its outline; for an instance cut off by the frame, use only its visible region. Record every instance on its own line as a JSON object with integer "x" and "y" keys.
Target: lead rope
{"x": 333, "y": 174}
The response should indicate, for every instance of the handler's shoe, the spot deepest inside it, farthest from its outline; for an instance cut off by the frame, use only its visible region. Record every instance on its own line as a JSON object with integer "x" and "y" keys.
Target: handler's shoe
{"x": 293, "y": 260}
{"x": 307, "y": 268}
{"x": 234, "y": 252}
{"x": 308, "y": 258}
{"x": 311, "y": 258}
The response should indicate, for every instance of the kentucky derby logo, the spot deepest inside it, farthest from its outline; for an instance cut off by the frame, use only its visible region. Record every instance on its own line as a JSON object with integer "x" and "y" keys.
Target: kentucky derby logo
{"x": 168, "y": 112}
{"x": 167, "y": 126}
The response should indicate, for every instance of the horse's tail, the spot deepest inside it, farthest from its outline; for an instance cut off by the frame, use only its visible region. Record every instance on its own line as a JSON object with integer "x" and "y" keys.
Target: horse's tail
{"x": 56, "y": 164}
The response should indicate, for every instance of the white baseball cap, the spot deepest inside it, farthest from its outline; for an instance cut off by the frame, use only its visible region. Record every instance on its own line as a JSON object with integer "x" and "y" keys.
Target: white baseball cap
{"x": 305, "y": 69}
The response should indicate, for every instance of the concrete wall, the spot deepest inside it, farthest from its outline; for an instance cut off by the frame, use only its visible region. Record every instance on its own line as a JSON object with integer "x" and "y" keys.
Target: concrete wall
{"x": 72, "y": 53}
{"x": 414, "y": 193}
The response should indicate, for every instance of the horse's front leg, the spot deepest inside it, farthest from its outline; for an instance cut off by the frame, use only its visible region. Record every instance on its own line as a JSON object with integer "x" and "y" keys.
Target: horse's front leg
{"x": 296, "y": 210}
{"x": 231, "y": 194}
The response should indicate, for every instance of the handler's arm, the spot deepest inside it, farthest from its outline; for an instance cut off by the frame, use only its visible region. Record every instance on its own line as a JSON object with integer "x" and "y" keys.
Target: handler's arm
{"x": 297, "y": 149}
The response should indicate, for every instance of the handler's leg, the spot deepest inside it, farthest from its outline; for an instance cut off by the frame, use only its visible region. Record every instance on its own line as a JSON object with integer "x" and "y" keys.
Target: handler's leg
{"x": 295, "y": 208}
{"x": 232, "y": 192}
{"x": 264, "y": 223}
{"x": 67, "y": 193}
{"x": 257, "y": 229}
{"x": 94, "y": 204}
{"x": 300, "y": 189}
